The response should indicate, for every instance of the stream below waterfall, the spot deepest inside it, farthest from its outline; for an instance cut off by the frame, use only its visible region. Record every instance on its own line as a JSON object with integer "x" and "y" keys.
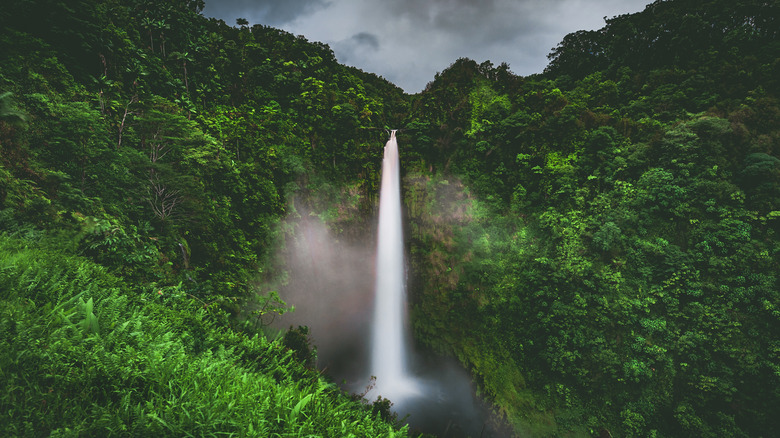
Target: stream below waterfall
{"x": 446, "y": 405}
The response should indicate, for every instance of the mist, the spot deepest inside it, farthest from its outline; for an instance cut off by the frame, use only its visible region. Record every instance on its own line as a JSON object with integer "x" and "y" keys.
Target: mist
{"x": 329, "y": 282}
{"x": 329, "y": 279}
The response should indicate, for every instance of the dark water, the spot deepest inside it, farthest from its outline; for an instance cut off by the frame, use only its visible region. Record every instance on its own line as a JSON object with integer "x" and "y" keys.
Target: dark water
{"x": 447, "y": 405}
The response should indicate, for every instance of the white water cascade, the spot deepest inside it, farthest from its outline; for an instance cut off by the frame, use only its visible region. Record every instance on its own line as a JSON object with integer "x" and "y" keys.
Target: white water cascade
{"x": 389, "y": 353}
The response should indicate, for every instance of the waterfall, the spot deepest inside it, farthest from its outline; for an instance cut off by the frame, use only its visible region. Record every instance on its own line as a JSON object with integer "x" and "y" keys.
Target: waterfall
{"x": 436, "y": 396}
{"x": 389, "y": 353}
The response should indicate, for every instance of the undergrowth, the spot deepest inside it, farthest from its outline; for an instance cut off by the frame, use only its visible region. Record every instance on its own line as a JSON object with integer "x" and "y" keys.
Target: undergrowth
{"x": 85, "y": 355}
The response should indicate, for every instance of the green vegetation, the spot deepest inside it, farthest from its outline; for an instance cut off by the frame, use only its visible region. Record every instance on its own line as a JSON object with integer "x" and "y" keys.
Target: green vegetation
{"x": 86, "y": 355}
{"x": 606, "y": 263}
{"x": 146, "y": 155}
{"x": 597, "y": 243}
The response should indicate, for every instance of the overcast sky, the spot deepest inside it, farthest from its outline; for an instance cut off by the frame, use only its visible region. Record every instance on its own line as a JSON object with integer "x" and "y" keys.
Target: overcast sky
{"x": 408, "y": 41}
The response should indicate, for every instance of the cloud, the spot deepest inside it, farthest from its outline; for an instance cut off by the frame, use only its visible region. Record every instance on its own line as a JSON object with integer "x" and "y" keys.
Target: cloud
{"x": 268, "y": 12}
{"x": 366, "y": 39}
{"x": 356, "y": 47}
{"x": 408, "y": 41}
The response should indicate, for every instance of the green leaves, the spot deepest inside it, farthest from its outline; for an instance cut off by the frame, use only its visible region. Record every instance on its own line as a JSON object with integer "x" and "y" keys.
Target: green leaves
{"x": 296, "y": 410}
{"x": 118, "y": 362}
{"x": 8, "y": 112}
{"x": 89, "y": 325}
{"x": 626, "y": 195}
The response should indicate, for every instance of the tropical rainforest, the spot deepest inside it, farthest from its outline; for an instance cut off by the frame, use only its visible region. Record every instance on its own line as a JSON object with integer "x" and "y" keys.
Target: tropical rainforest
{"x": 597, "y": 243}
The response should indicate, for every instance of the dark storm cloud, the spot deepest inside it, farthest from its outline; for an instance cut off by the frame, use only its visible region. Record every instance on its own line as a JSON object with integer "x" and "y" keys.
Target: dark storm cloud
{"x": 478, "y": 19}
{"x": 408, "y": 41}
{"x": 355, "y": 47}
{"x": 269, "y": 12}
{"x": 432, "y": 8}
{"x": 365, "y": 39}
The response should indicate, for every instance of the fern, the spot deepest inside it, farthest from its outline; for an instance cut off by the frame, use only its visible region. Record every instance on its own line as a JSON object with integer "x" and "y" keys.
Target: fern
{"x": 83, "y": 357}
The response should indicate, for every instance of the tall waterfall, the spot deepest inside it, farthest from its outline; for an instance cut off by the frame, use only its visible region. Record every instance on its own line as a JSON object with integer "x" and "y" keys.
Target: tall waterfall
{"x": 436, "y": 396}
{"x": 389, "y": 349}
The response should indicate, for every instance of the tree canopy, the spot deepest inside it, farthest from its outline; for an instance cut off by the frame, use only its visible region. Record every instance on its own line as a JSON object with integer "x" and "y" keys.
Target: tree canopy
{"x": 597, "y": 243}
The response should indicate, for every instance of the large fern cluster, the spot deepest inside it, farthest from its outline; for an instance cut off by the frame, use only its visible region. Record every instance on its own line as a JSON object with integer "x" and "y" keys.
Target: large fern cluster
{"x": 82, "y": 357}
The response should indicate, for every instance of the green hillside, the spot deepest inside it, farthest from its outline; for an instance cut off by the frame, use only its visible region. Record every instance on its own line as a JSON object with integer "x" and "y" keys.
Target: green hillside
{"x": 597, "y": 243}
{"x": 146, "y": 154}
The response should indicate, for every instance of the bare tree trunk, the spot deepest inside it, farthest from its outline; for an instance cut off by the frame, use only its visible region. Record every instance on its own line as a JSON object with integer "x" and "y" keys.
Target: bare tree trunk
{"x": 102, "y": 103}
{"x": 186, "y": 83}
{"x": 124, "y": 117}
{"x": 162, "y": 44}
{"x": 162, "y": 200}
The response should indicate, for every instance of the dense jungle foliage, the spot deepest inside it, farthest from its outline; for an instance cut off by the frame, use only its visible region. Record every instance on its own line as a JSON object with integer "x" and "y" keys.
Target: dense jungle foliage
{"x": 146, "y": 155}
{"x": 597, "y": 244}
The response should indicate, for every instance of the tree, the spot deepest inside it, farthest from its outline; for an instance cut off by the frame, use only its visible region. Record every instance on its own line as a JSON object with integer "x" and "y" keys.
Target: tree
{"x": 166, "y": 136}
{"x": 184, "y": 57}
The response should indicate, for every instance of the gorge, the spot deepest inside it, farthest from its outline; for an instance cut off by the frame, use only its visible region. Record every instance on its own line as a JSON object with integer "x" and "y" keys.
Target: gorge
{"x": 592, "y": 249}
